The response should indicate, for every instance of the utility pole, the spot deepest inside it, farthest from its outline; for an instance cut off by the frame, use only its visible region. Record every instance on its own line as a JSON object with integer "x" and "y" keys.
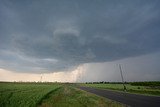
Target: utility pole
{"x": 120, "y": 68}
{"x": 41, "y": 78}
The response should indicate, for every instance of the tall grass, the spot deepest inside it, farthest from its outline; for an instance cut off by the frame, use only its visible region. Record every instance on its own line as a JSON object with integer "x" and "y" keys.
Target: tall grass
{"x": 68, "y": 96}
{"x": 24, "y": 94}
{"x": 49, "y": 95}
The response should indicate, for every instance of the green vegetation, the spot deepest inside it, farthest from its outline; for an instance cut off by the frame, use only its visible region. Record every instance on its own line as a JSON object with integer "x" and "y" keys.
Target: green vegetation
{"x": 149, "y": 83}
{"x": 24, "y": 94}
{"x": 136, "y": 88}
{"x": 69, "y": 96}
{"x": 49, "y": 95}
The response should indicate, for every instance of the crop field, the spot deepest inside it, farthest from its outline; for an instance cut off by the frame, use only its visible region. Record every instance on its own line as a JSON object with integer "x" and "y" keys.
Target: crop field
{"x": 49, "y": 95}
{"x": 131, "y": 87}
{"x": 27, "y": 94}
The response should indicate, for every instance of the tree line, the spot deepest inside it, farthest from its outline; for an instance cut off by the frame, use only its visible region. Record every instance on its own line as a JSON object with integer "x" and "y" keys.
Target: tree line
{"x": 143, "y": 83}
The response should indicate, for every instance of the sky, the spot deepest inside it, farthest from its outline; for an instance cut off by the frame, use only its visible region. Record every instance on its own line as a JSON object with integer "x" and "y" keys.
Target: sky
{"x": 79, "y": 40}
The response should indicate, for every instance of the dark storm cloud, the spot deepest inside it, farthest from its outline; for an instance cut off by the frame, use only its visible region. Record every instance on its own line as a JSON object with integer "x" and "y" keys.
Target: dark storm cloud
{"x": 141, "y": 68}
{"x": 52, "y": 35}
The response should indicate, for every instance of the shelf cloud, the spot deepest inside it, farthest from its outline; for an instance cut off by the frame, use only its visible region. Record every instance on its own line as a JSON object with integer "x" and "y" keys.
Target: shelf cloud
{"x": 56, "y": 35}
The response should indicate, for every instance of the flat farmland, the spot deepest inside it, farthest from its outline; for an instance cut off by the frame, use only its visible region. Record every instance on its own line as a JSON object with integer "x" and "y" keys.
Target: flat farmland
{"x": 24, "y": 94}
{"x": 50, "y": 95}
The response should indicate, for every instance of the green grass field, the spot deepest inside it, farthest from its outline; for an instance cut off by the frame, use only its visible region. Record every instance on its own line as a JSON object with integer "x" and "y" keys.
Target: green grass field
{"x": 147, "y": 90}
{"x": 24, "y": 94}
{"x": 68, "y": 96}
{"x": 49, "y": 95}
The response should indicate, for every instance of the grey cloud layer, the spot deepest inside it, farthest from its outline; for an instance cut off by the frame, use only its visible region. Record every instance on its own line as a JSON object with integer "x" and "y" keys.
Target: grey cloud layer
{"x": 142, "y": 68}
{"x": 46, "y": 36}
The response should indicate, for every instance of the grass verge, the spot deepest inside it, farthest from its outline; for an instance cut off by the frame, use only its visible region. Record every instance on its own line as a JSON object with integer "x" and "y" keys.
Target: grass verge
{"x": 144, "y": 90}
{"x": 68, "y": 96}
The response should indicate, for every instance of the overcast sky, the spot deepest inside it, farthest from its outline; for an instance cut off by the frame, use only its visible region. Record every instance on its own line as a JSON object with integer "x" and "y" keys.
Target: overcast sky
{"x": 83, "y": 40}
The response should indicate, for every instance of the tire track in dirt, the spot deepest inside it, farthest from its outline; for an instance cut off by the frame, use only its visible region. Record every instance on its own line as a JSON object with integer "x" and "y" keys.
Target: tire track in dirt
{"x": 46, "y": 96}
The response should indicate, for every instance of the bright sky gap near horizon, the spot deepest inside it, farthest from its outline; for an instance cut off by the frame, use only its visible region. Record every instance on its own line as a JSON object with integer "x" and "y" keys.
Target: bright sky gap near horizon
{"x": 79, "y": 40}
